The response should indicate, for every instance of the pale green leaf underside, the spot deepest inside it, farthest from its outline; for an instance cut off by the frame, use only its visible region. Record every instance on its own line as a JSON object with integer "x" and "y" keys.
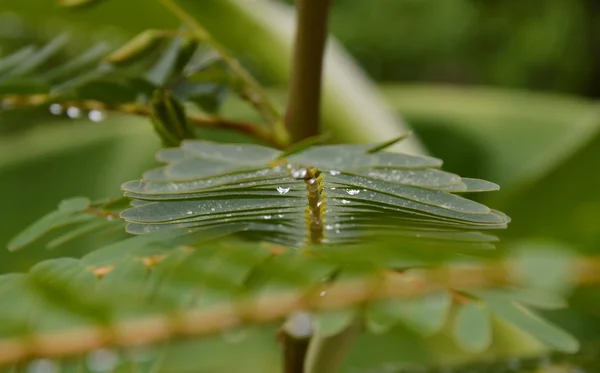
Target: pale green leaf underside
{"x": 208, "y": 184}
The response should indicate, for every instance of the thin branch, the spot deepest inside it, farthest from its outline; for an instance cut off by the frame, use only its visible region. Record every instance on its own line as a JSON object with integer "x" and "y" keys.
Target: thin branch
{"x": 302, "y": 116}
{"x": 199, "y": 120}
{"x": 251, "y": 90}
{"x": 275, "y": 306}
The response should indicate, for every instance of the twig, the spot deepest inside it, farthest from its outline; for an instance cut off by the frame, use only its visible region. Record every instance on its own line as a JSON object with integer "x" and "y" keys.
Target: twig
{"x": 302, "y": 116}
{"x": 275, "y": 306}
{"x": 199, "y": 120}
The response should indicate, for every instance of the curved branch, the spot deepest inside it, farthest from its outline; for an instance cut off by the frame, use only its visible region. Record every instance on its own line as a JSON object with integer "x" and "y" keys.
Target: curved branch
{"x": 199, "y": 120}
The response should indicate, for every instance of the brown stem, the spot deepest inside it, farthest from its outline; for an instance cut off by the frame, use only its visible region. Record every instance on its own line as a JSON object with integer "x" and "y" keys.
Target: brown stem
{"x": 199, "y": 120}
{"x": 303, "y": 110}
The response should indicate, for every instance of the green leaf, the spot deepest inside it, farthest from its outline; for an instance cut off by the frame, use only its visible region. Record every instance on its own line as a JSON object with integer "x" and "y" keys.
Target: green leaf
{"x": 39, "y": 57}
{"x": 76, "y": 204}
{"x": 49, "y": 222}
{"x": 168, "y": 117}
{"x": 531, "y": 323}
{"x": 136, "y": 47}
{"x": 544, "y": 266}
{"x": 77, "y": 3}
{"x": 332, "y": 322}
{"x": 387, "y": 144}
{"x": 206, "y": 184}
{"x": 473, "y": 327}
{"x": 16, "y": 58}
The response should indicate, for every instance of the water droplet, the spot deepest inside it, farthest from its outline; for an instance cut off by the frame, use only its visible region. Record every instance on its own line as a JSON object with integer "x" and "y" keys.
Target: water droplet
{"x": 55, "y": 109}
{"x": 283, "y": 190}
{"x": 352, "y": 192}
{"x": 332, "y": 188}
{"x": 288, "y": 166}
{"x": 228, "y": 215}
{"x": 312, "y": 181}
{"x": 96, "y": 115}
{"x": 42, "y": 366}
{"x": 212, "y": 209}
{"x": 102, "y": 360}
{"x": 189, "y": 213}
{"x": 337, "y": 225}
{"x": 299, "y": 173}
{"x": 337, "y": 231}
{"x": 319, "y": 203}
{"x": 73, "y": 112}
{"x": 345, "y": 201}
{"x": 267, "y": 217}
{"x": 280, "y": 216}
{"x": 334, "y": 172}
{"x": 329, "y": 227}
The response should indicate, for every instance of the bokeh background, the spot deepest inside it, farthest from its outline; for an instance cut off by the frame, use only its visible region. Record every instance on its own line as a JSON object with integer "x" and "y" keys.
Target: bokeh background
{"x": 500, "y": 89}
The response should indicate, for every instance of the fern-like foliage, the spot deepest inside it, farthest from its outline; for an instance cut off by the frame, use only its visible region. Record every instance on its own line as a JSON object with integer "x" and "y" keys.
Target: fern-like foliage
{"x": 224, "y": 223}
{"x": 155, "y": 75}
{"x": 325, "y": 194}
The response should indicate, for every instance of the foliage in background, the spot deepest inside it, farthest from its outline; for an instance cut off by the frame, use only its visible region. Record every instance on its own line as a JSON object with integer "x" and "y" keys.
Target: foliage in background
{"x": 550, "y": 193}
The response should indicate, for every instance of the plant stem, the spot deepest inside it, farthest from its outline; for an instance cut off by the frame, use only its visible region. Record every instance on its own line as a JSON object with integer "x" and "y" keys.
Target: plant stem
{"x": 302, "y": 119}
{"x": 258, "y": 132}
{"x": 302, "y": 116}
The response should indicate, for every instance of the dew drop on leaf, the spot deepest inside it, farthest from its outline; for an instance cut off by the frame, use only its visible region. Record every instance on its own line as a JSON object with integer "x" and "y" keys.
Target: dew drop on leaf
{"x": 352, "y": 192}
{"x": 299, "y": 173}
{"x": 55, "y": 109}
{"x": 73, "y": 112}
{"x": 96, "y": 115}
{"x": 345, "y": 201}
{"x": 267, "y": 217}
{"x": 329, "y": 227}
{"x": 334, "y": 172}
{"x": 283, "y": 190}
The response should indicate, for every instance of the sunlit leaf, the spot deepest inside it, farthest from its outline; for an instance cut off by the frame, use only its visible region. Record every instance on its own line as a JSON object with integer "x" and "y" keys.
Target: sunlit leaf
{"x": 473, "y": 327}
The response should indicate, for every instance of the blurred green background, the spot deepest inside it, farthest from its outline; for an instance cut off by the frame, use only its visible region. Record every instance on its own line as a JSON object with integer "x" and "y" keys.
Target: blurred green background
{"x": 500, "y": 89}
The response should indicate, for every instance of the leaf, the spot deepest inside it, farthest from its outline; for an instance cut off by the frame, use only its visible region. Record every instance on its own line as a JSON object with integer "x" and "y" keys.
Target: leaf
{"x": 136, "y": 47}
{"x": 39, "y": 56}
{"x": 77, "y": 3}
{"x": 531, "y": 323}
{"x": 206, "y": 184}
{"x": 546, "y": 267}
{"x": 168, "y": 117}
{"x": 332, "y": 322}
{"x": 51, "y": 221}
{"x": 8, "y": 62}
{"x": 387, "y": 144}
{"x": 473, "y": 327}
{"x": 76, "y": 204}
